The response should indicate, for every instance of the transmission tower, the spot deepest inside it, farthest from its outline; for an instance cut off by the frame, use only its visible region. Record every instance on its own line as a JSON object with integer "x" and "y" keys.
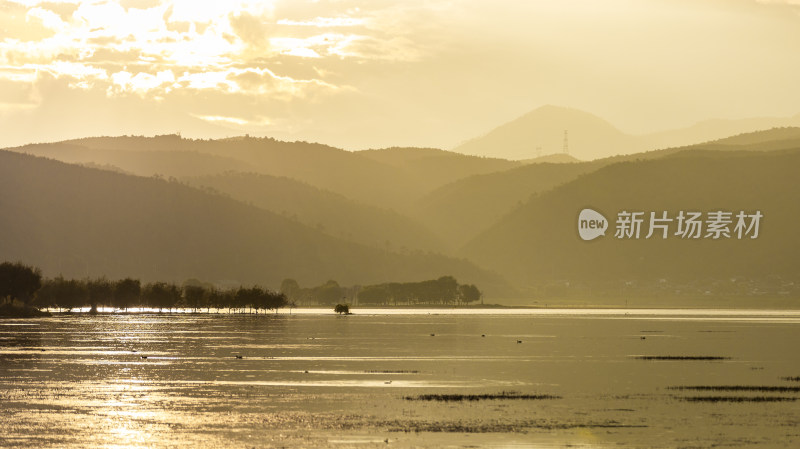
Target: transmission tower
{"x": 566, "y": 142}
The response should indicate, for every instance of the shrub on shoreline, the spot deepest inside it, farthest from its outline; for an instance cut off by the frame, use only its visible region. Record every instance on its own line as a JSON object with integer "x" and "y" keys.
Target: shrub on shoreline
{"x": 12, "y": 311}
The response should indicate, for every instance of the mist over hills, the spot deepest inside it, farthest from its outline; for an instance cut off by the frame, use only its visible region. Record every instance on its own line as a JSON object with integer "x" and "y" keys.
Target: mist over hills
{"x": 591, "y": 137}
{"x": 79, "y": 221}
{"x": 717, "y": 129}
{"x": 320, "y": 165}
{"x": 430, "y": 168}
{"x": 259, "y": 210}
{"x": 354, "y": 196}
{"x": 392, "y": 177}
{"x": 460, "y": 210}
{"x": 146, "y": 161}
{"x": 325, "y": 211}
{"x": 538, "y": 242}
{"x": 470, "y": 205}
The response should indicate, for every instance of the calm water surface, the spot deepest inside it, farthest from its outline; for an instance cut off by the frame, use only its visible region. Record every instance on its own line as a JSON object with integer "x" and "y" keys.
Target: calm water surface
{"x": 313, "y": 379}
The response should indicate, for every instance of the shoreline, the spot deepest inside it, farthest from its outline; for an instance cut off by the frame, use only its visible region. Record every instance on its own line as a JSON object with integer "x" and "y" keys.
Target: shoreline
{"x": 498, "y": 311}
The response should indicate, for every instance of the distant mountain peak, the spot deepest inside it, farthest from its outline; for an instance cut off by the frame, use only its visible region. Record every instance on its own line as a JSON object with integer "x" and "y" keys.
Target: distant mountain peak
{"x": 542, "y": 132}
{"x": 556, "y": 158}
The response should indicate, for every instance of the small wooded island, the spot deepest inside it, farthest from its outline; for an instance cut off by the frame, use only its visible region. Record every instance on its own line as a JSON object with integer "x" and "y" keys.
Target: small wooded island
{"x": 24, "y": 292}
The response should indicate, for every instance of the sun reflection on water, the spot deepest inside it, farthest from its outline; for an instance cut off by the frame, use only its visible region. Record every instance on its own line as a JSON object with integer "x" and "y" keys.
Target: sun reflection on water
{"x": 320, "y": 381}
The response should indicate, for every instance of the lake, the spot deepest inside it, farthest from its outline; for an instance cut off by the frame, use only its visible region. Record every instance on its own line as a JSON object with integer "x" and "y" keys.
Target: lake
{"x": 537, "y": 378}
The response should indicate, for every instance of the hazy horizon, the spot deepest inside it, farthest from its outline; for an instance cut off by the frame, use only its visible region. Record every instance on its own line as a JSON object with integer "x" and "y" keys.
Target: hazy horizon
{"x": 384, "y": 74}
{"x": 605, "y": 254}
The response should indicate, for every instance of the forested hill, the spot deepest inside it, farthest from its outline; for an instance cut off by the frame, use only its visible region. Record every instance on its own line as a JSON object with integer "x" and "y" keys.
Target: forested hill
{"x": 539, "y": 240}
{"x": 79, "y": 221}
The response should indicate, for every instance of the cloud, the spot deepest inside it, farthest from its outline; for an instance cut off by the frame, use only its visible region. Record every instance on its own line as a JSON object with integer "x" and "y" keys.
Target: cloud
{"x": 416, "y": 72}
{"x": 366, "y": 47}
{"x": 249, "y": 28}
{"x": 227, "y": 120}
{"x": 325, "y": 22}
{"x": 142, "y": 82}
{"x": 73, "y": 70}
{"x": 151, "y": 47}
{"x": 208, "y": 80}
{"x": 63, "y": 9}
{"x": 255, "y": 81}
{"x": 48, "y": 18}
{"x": 139, "y": 4}
{"x": 302, "y": 52}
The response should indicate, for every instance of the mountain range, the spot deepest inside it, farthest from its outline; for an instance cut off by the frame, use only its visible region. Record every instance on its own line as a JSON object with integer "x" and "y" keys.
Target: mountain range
{"x": 258, "y": 210}
{"x": 538, "y": 242}
{"x": 79, "y": 221}
{"x": 545, "y": 129}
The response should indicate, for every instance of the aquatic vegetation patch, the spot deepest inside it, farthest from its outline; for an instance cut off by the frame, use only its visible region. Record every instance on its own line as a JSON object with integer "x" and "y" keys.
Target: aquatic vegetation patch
{"x": 349, "y": 422}
{"x": 497, "y": 427}
{"x": 761, "y": 388}
{"x": 479, "y": 397}
{"x": 681, "y": 357}
{"x": 738, "y": 399}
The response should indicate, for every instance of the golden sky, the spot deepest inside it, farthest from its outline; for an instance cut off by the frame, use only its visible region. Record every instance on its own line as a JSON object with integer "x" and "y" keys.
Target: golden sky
{"x": 377, "y": 73}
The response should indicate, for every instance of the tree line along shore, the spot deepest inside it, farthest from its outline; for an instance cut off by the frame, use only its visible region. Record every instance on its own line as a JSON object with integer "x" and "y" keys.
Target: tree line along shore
{"x": 24, "y": 292}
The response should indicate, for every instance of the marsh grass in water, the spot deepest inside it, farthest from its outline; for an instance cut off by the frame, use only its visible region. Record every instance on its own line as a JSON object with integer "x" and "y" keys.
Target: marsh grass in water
{"x": 680, "y": 357}
{"x": 498, "y": 427}
{"x": 479, "y": 397}
{"x": 740, "y": 389}
{"x": 761, "y": 388}
{"x": 306, "y": 380}
{"x": 738, "y": 399}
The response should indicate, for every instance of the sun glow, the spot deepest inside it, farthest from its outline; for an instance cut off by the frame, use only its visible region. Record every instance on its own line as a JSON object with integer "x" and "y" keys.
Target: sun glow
{"x": 158, "y": 47}
{"x": 334, "y": 71}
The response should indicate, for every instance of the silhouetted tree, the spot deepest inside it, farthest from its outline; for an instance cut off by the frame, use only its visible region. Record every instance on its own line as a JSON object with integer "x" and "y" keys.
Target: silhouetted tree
{"x": 18, "y": 281}
{"x": 342, "y": 309}
{"x": 444, "y": 290}
{"x": 46, "y": 295}
{"x": 63, "y": 293}
{"x": 290, "y": 288}
{"x": 404, "y": 292}
{"x": 127, "y": 293}
{"x": 273, "y": 300}
{"x": 327, "y": 293}
{"x": 248, "y": 297}
{"x": 100, "y": 291}
{"x": 161, "y": 295}
{"x": 221, "y": 299}
{"x": 447, "y": 289}
{"x": 469, "y": 293}
{"x": 373, "y": 294}
{"x": 195, "y": 296}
